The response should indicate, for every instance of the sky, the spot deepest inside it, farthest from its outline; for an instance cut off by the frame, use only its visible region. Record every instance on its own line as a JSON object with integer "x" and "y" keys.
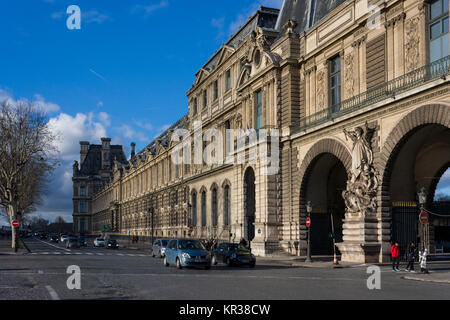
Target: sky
{"x": 123, "y": 75}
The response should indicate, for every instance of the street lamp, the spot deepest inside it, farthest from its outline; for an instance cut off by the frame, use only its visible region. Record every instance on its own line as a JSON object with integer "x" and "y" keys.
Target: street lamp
{"x": 308, "y": 252}
{"x": 422, "y": 195}
{"x": 151, "y": 211}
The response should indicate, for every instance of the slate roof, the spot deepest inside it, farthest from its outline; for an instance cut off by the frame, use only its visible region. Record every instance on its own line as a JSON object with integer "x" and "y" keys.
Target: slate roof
{"x": 299, "y": 11}
{"x": 264, "y": 17}
{"x": 93, "y": 162}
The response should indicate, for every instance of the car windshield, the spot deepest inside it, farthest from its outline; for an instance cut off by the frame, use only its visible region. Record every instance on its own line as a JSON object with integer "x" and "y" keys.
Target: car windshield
{"x": 164, "y": 243}
{"x": 237, "y": 247}
{"x": 191, "y": 245}
{"x": 112, "y": 241}
{"x": 100, "y": 239}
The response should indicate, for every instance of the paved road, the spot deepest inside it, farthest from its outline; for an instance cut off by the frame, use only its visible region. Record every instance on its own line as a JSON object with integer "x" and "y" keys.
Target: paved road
{"x": 129, "y": 274}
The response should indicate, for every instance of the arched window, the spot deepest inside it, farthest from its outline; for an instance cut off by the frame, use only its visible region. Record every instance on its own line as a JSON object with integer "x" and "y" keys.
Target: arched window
{"x": 204, "y": 209}
{"x": 214, "y": 207}
{"x": 194, "y": 209}
{"x": 226, "y": 206}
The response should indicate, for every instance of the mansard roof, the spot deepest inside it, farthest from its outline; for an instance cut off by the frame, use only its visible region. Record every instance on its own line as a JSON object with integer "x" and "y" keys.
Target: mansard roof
{"x": 93, "y": 161}
{"x": 264, "y": 17}
{"x": 300, "y": 11}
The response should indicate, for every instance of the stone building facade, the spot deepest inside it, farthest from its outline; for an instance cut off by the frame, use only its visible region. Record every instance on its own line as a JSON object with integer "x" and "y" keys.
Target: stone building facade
{"x": 359, "y": 92}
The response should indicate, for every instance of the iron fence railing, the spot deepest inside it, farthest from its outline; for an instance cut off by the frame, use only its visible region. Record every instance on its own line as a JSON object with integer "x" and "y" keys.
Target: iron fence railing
{"x": 410, "y": 80}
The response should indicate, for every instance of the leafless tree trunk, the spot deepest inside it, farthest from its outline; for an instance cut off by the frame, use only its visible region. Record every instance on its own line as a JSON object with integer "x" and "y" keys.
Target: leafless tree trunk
{"x": 27, "y": 158}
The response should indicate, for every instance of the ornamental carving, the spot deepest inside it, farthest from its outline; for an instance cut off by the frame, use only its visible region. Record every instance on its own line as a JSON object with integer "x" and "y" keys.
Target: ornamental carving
{"x": 320, "y": 90}
{"x": 412, "y": 54}
{"x": 360, "y": 195}
{"x": 349, "y": 79}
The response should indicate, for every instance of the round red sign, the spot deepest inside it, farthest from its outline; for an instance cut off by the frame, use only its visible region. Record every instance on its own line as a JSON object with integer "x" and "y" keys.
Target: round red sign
{"x": 308, "y": 222}
{"x": 423, "y": 217}
{"x": 15, "y": 223}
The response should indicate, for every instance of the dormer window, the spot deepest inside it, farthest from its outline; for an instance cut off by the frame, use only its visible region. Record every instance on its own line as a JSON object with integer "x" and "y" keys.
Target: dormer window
{"x": 216, "y": 90}
{"x": 228, "y": 80}
{"x": 194, "y": 106}
{"x": 205, "y": 99}
{"x": 312, "y": 9}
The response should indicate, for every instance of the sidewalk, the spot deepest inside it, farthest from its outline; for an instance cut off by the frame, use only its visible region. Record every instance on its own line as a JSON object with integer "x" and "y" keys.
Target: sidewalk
{"x": 5, "y": 248}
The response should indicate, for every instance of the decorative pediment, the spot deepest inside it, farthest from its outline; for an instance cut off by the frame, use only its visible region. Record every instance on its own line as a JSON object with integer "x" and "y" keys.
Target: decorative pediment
{"x": 225, "y": 52}
{"x": 159, "y": 148}
{"x": 201, "y": 75}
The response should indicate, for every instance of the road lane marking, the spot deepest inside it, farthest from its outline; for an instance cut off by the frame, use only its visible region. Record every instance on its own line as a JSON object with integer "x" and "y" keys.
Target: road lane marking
{"x": 57, "y": 247}
{"x": 52, "y": 293}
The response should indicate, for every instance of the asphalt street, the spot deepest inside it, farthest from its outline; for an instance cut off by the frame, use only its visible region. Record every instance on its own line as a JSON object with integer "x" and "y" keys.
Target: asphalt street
{"x": 131, "y": 274}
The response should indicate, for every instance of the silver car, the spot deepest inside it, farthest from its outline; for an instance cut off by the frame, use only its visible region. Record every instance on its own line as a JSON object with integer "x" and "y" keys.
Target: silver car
{"x": 159, "y": 248}
{"x": 99, "y": 242}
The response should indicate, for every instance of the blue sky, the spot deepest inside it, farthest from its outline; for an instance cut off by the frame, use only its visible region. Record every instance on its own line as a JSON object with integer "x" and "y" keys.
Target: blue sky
{"x": 123, "y": 75}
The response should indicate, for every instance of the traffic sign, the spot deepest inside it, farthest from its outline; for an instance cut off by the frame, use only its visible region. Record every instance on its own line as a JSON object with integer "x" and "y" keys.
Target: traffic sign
{"x": 15, "y": 223}
{"x": 308, "y": 222}
{"x": 423, "y": 217}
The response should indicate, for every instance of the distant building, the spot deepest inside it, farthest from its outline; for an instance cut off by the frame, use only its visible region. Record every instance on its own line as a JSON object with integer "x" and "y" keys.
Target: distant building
{"x": 92, "y": 174}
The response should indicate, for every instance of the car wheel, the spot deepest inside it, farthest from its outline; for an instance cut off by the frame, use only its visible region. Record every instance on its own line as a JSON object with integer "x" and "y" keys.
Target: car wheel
{"x": 252, "y": 265}
{"x": 179, "y": 264}
{"x": 165, "y": 262}
{"x": 214, "y": 260}
{"x": 228, "y": 262}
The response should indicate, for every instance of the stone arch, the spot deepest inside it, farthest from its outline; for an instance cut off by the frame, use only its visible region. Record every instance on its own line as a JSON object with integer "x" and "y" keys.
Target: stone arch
{"x": 214, "y": 186}
{"x": 323, "y": 147}
{"x": 405, "y": 128}
{"x": 225, "y": 183}
{"x": 435, "y": 182}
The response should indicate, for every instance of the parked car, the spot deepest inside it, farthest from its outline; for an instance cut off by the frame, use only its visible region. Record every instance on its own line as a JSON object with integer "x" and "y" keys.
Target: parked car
{"x": 112, "y": 244}
{"x": 72, "y": 242}
{"x": 99, "y": 242}
{"x": 187, "y": 253}
{"x": 54, "y": 238}
{"x": 82, "y": 241}
{"x": 233, "y": 254}
{"x": 64, "y": 238}
{"x": 159, "y": 248}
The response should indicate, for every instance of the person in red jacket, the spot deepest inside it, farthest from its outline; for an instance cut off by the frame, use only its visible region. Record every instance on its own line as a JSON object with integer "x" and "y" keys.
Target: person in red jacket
{"x": 395, "y": 253}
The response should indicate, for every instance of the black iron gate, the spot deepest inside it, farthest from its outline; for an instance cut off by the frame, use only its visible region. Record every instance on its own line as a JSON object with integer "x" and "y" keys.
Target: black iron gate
{"x": 321, "y": 240}
{"x": 404, "y": 225}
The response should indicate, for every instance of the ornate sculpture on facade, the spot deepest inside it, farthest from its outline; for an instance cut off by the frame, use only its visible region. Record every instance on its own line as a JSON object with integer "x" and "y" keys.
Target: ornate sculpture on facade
{"x": 412, "y": 44}
{"x": 75, "y": 168}
{"x": 360, "y": 195}
{"x": 349, "y": 79}
{"x": 320, "y": 90}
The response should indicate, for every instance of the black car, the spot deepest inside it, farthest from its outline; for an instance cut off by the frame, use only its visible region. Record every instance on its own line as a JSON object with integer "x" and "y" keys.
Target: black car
{"x": 43, "y": 236}
{"x": 72, "y": 242}
{"x": 82, "y": 241}
{"x": 112, "y": 244}
{"x": 54, "y": 238}
{"x": 233, "y": 254}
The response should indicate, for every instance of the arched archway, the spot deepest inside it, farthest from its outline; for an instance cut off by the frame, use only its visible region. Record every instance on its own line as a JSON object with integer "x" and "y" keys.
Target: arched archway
{"x": 415, "y": 153}
{"x": 323, "y": 177}
{"x": 249, "y": 204}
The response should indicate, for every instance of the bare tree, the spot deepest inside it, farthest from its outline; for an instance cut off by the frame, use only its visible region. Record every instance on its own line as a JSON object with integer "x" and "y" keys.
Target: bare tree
{"x": 27, "y": 158}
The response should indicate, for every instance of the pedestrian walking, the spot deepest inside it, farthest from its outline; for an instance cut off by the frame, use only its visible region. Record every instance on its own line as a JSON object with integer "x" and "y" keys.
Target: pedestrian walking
{"x": 411, "y": 256}
{"x": 423, "y": 261}
{"x": 243, "y": 242}
{"x": 395, "y": 254}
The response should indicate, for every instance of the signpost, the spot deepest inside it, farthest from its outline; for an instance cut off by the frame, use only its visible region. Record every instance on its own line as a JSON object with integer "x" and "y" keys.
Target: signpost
{"x": 308, "y": 222}
{"x": 423, "y": 217}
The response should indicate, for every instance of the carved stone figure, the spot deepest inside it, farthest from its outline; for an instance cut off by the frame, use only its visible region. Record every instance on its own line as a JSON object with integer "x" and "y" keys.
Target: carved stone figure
{"x": 412, "y": 54}
{"x": 360, "y": 195}
{"x": 349, "y": 79}
{"x": 320, "y": 90}
{"x": 75, "y": 168}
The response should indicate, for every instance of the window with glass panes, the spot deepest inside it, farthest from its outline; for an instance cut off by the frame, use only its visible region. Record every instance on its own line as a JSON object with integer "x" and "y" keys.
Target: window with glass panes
{"x": 258, "y": 110}
{"x": 194, "y": 209}
{"x": 335, "y": 81}
{"x": 214, "y": 207}
{"x": 204, "y": 209}
{"x": 228, "y": 80}
{"x": 216, "y": 90}
{"x": 438, "y": 29}
{"x": 226, "y": 209}
{"x": 195, "y": 106}
{"x": 205, "y": 99}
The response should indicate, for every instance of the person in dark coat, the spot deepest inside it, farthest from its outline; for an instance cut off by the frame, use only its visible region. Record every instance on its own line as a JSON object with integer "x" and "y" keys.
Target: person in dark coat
{"x": 243, "y": 243}
{"x": 411, "y": 256}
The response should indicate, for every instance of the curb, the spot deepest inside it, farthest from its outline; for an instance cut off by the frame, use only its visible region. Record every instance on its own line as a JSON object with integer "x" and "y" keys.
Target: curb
{"x": 425, "y": 280}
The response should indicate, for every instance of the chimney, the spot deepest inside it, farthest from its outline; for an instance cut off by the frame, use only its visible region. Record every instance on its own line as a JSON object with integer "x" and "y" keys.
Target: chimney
{"x": 133, "y": 151}
{"x": 106, "y": 146}
{"x": 84, "y": 148}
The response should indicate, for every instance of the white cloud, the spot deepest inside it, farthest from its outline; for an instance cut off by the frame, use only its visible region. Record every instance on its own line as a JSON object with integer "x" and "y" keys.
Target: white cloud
{"x": 147, "y": 10}
{"x": 38, "y": 101}
{"x": 94, "y": 16}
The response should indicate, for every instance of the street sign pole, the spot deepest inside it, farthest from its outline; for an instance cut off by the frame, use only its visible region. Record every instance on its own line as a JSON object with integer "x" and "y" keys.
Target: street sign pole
{"x": 308, "y": 226}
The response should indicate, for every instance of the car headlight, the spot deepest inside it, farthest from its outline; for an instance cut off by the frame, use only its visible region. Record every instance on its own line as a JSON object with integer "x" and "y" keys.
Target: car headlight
{"x": 185, "y": 255}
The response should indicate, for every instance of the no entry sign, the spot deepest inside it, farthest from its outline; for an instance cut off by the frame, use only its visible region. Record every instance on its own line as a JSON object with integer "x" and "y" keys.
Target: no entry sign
{"x": 308, "y": 222}
{"x": 15, "y": 223}
{"x": 423, "y": 217}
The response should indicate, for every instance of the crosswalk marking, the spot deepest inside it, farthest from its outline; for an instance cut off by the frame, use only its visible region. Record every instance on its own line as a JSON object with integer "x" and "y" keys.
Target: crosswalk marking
{"x": 46, "y": 253}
